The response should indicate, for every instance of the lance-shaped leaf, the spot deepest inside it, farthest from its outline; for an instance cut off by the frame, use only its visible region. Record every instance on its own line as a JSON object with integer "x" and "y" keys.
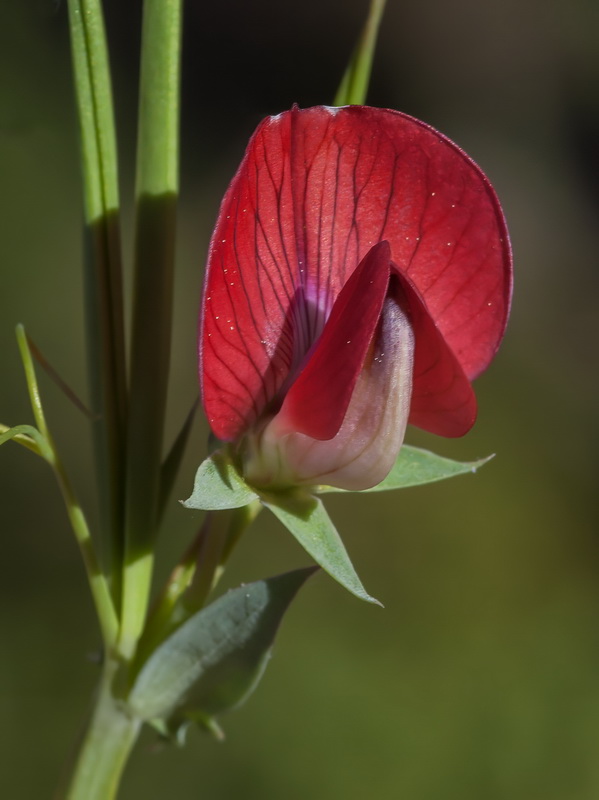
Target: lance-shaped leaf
{"x": 306, "y": 518}
{"x": 415, "y": 467}
{"x": 215, "y": 659}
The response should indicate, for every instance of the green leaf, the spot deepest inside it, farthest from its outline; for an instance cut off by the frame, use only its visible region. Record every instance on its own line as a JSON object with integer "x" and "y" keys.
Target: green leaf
{"x": 218, "y": 485}
{"x": 415, "y": 467}
{"x": 26, "y": 435}
{"x": 171, "y": 464}
{"x": 215, "y": 660}
{"x": 354, "y": 84}
{"x": 102, "y": 267}
{"x": 306, "y": 518}
{"x": 156, "y": 193}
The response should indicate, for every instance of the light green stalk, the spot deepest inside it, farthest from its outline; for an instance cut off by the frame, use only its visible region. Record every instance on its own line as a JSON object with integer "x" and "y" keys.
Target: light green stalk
{"x": 108, "y": 741}
{"x": 47, "y": 449}
{"x": 102, "y": 264}
{"x": 156, "y": 192}
{"x": 354, "y": 84}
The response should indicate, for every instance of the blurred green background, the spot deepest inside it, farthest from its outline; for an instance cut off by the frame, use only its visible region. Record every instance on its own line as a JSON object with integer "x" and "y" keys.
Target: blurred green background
{"x": 480, "y": 679}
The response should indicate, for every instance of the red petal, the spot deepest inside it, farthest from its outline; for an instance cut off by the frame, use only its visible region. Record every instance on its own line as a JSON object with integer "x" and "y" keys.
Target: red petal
{"x": 316, "y": 190}
{"x": 365, "y": 448}
{"x": 443, "y": 401}
{"x": 246, "y": 350}
{"x": 318, "y": 399}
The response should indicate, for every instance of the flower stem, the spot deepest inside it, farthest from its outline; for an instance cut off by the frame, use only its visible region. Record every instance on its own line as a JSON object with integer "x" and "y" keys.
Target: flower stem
{"x": 102, "y": 265}
{"x": 107, "y": 743}
{"x": 156, "y": 192}
{"x": 354, "y": 84}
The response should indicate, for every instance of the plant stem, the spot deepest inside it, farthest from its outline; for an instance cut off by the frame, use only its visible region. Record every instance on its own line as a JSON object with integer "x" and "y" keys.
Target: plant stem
{"x": 218, "y": 544}
{"x": 156, "y": 191}
{"x": 107, "y": 743}
{"x": 47, "y": 449}
{"x": 104, "y": 605}
{"x": 102, "y": 265}
{"x": 354, "y": 84}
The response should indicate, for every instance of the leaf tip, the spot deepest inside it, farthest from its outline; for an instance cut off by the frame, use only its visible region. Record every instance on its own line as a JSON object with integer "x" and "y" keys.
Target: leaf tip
{"x": 369, "y": 599}
{"x": 476, "y": 465}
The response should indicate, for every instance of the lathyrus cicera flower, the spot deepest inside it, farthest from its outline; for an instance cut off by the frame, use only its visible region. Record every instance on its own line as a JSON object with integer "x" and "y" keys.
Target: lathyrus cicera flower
{"x": 358, "y": 279}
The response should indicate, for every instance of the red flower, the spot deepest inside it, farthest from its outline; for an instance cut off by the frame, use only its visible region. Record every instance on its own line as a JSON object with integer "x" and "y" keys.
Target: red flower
{"x": 359, "y": 277}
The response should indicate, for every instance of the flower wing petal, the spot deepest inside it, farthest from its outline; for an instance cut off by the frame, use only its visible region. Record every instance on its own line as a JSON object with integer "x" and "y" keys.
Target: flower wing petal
{"x": 443, "y": 401}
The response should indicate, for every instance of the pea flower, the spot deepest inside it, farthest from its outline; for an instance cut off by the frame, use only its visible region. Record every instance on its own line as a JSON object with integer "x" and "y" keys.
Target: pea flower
{"x": 359, "y": 278}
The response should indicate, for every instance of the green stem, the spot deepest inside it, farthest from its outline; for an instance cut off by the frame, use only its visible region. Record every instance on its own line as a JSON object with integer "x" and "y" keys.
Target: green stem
{"x": 102, "y": 264}
{"x": 31, "y": 381}
{"x": 354, "y": 84}
{"x": 156, "y": 191}
{"x": 163, "y": 616}
{"x": 196, "y": 575}
{"x": 216, "y": 548}
{"x": 108, "y": 741}
{"x": 97, "y": 580}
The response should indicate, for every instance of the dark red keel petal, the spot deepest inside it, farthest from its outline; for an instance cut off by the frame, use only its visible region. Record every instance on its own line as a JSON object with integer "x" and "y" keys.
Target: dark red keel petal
{"x": 318, "y": 399}
{"x": 443, "y": 401}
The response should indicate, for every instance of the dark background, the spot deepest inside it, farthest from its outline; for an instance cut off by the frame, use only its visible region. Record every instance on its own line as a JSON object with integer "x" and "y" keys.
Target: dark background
{"x": 480, "y": 677}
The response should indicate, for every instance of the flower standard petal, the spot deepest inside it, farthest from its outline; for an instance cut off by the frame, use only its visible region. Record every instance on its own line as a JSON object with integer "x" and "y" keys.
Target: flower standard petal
{"x": 363, "y": 175}
{"x": 245, "y": 347}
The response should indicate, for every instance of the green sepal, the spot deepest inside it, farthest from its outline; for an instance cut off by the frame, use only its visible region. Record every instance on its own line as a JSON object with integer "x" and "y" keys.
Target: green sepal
{"x": 175, "y": 729}
{"x": 218, "y": 485}
{"x": 215, "y": 660}
{"x": 306, "y": 518}
{"x": 415, "y": 467}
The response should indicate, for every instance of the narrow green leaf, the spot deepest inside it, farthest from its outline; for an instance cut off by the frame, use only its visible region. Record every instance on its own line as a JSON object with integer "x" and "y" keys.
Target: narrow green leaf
{"x": 104, "y": 317}
{"x": 94, "y": 104}
{"x": 171, "y": 464}
{"x": 306, "y": 518}
{"x": 26, "y": 435}
{"x": 56, "y": 378}
{"x": 415, "y": 467}
{"x": 157, "y": 184}
{"x": 218, "y": 485}
{"x": 215, "y": 659}
{"x": 354, "y": 84}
